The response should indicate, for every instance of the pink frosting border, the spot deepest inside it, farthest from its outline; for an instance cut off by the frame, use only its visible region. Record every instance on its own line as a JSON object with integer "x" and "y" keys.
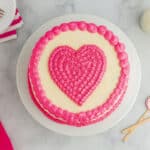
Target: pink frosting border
{"x": 83, "y": 118}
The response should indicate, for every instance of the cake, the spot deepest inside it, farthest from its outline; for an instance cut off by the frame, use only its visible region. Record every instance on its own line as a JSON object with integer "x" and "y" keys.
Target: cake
{"x": 78, "y": 73}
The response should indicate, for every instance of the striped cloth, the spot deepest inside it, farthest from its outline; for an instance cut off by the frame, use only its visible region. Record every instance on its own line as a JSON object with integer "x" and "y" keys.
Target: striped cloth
{"x": 11, "y": 32}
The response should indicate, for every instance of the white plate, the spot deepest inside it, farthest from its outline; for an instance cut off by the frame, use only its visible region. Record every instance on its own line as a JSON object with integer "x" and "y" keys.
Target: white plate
{"x": 9, "y": 6}
{"x": 109, "y": 122}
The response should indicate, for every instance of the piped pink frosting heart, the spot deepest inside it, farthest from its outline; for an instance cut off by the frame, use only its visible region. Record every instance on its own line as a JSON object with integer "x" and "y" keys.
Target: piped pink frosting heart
{"x": 77, "y": 72}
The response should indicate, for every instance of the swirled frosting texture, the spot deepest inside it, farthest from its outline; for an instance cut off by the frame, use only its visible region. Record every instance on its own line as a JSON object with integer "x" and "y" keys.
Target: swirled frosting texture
{"x": 86, "y": 117}
{"x": 77, "y": 73}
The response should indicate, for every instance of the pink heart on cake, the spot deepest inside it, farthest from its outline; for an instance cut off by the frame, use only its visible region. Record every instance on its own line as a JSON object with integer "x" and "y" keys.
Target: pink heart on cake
{"x": 77, "y": 72}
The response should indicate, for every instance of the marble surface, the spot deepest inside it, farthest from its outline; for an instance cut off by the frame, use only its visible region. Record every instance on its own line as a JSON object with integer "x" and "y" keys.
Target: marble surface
{"x": 27, "y": 134}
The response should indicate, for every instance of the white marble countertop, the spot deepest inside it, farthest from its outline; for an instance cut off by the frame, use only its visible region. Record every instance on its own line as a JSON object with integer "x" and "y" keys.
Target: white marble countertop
{"x": 27, "y": 134}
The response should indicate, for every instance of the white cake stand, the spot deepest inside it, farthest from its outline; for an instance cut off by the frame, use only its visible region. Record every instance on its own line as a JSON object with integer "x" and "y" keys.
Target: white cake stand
{"x": 109, "y": 122}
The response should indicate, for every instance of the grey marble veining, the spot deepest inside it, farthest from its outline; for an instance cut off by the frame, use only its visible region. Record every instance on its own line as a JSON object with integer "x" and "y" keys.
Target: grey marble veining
{"x": 26, "y": 134}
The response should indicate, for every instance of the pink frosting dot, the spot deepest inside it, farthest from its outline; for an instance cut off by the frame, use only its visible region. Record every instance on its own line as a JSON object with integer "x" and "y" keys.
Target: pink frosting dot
{"x": 95, "y": 111}
{"x": 114, "y": 40}
{"x": 34, "y": 49}
{"x": 33, "y": 69}
{"x": 110, "y": 101}
{"x": 54, "y": 109}
{"x": 64, "y": 27}
{"x": 60, "y": 111}
{"x": 44, "y": 100}
{"x": 71, "y": 119}
{"x": 57, "y": 112}
{"x": 124, "y": 63}
{"x": 102, "y": 30}
{"x": 65, "y": 114}
{"x": 123, "y": 56}
{"x": 112, "y": 95}
{"x": 72, "y": 26}
{"x": 117, "y": 91}
{"x": 89, "y": 113}
{"x": 51, "y": 108}
{"x": 37, "y": 58}
{"x": 44, "y": 40}
{"x": 81, "y": 114}
{"x": 39, "y": 45}
{"x": 120, "y": 47}
{"x": 82, "y": 25}
{"x": 56, "y": 30}
{"x": 49, "y": 35}
{"x": 38, "y": 53}
{"x": 121, "y": 78}
{"x": 91, "y": 27}
{"x": 47, "y": 104}
{"x": 104, "y": 106}
{"x": 126, "y": 70}
{"x": 108, "y": 35}
{"x": 103, "y": 117}
{"x": 99, "y": 110}
{"x": 32, "y": 66}
{"x": 120, "y": 85}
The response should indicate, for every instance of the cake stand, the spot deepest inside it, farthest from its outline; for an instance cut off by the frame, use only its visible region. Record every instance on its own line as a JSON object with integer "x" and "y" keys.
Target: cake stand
{"x": 110, "y": 121}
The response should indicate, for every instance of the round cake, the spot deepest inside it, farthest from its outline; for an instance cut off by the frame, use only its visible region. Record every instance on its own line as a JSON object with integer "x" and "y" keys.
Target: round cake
{"x": 78, "y": 73}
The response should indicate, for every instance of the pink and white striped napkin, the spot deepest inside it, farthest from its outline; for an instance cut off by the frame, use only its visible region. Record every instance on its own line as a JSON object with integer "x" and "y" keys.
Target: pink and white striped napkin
{"x": 11, "y": 32}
